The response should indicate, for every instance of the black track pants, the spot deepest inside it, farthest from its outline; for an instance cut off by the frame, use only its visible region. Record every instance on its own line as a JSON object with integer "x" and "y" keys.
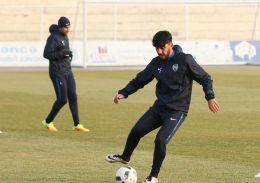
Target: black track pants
{"x": 169, "y": 121}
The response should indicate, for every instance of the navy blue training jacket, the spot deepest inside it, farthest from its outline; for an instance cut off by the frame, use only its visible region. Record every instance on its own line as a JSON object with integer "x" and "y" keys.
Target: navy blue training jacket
{"x": 57, "y": 51}
{"x": 174, "y": 80}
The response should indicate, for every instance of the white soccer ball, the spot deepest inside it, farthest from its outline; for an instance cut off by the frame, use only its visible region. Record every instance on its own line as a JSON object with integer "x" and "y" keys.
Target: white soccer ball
{"x": 126, "y": 175}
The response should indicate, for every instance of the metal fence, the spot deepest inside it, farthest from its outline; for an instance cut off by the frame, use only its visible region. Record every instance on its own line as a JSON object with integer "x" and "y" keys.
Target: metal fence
{"x": 115, "y": 20}
{"x": 105, "y": 25}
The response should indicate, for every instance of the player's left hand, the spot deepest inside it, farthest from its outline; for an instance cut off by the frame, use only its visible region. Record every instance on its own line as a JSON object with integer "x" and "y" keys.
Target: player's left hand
{"x": 118, "y": 97}
{"x": 213, "y": 105}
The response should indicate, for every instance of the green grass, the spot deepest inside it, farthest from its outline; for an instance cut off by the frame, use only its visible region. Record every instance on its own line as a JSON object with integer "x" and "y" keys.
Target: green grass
{"x": 207, "y": 148}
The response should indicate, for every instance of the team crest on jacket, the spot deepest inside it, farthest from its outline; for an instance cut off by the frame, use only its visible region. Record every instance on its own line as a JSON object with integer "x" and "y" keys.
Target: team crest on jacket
{"x": 175, "y": 67}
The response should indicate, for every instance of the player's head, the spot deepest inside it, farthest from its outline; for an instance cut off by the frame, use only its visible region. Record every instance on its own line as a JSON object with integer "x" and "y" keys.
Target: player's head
{"x": 64, "y": 25}
{"x": 162, "y": 41}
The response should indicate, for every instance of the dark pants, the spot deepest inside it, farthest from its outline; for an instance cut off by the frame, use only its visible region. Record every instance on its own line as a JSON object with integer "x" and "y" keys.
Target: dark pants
{"x": 65, "y": 88}
{"x": 169, "y": 121}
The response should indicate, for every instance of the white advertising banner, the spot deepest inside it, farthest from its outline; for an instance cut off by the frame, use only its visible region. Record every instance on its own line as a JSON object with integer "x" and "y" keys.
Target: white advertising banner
{"x": 29, "y": 54}
{"x": 16, "y": 54}
{"x": 209, "y": 52}
{"x": 120, "y": 53}
{"x": 129, "y": 53}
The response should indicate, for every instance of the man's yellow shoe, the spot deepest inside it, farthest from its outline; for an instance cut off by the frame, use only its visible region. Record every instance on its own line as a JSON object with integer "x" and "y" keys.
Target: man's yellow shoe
{"x": 49, "y": 126}
{"x": 81, "y": 128}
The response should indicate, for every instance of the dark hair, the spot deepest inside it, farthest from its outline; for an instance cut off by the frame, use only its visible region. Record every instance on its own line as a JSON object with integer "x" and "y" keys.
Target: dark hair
{"x": 161, "y": 38}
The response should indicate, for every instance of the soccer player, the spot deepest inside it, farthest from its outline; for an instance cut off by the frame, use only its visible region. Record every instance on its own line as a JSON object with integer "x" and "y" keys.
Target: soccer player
{"x": 174, "y": 72}
{"x": 58, "y": 52}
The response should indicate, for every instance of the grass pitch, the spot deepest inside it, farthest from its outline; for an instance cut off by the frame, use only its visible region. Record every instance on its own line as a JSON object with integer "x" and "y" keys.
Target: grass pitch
{"x": 207, "y": 148}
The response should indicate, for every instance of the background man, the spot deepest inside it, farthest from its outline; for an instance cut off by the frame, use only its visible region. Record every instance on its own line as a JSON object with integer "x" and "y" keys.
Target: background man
{"x": 58, "y": 52}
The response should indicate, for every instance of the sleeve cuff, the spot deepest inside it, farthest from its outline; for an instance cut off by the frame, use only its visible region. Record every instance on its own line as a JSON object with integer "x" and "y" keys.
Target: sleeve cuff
{"x": 122, "y": 92}
{"x": 209, "y": 97}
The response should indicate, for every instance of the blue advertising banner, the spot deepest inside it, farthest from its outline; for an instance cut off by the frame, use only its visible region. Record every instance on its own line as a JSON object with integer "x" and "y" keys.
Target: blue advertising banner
{"x": 245, "y": 51}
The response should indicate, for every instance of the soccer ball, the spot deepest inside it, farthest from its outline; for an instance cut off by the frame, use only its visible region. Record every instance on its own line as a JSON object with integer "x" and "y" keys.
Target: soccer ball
{"x": 126, "y": 175}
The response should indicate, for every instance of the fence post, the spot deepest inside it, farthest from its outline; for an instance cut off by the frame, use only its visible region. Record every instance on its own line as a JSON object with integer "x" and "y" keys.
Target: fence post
{"x": 84, "y": 24}
{"x": 115, "y": 19}
{"x": 41, "y": 23}
{"x": 186, "y": 22}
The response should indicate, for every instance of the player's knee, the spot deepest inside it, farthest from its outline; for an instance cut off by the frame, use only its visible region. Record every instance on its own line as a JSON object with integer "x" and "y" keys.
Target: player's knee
{"x": 73, "y": 98}
{"x": 62, "y": 102}
{"x": 135, "y": 132}
{"x": 160, "y": 141}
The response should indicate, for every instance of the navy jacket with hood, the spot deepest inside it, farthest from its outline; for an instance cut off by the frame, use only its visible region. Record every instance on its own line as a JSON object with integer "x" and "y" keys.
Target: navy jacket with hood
{"x": 174, "y": 80}
{"x": 57, "y": 51}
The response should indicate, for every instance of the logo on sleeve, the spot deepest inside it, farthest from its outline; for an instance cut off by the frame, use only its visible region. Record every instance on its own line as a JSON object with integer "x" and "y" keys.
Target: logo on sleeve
{"x": 160, "y": 70}
{"x": 175, "y": 67}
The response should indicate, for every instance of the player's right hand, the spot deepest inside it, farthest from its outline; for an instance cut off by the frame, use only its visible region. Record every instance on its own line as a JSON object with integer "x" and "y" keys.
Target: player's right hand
{"x": 213, "y": 105}
{"x": 118, "y": 97}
